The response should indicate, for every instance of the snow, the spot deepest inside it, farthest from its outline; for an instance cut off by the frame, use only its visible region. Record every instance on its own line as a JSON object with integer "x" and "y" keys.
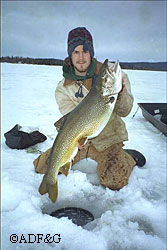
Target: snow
{"x": 132, "y": 218}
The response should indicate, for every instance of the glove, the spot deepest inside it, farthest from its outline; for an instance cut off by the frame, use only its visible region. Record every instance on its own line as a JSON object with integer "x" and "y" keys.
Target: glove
{"x": 16, "y": 139}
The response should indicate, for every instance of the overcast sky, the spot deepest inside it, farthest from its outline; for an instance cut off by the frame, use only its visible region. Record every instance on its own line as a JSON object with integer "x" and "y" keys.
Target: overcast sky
{"x": 121, "y": 30}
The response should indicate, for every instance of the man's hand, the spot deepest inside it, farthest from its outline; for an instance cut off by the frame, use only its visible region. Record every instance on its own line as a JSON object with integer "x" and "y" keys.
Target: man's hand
{"x": 123, "y": 85}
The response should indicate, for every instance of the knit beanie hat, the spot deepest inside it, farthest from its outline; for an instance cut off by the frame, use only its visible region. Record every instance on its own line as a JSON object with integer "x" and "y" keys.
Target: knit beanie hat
{"x": 80, "y": 36}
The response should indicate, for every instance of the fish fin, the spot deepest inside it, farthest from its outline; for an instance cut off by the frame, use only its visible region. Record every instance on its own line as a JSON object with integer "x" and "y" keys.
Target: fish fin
{"x": 60, "y": 123}
{"x": 43, "y": 187}
{"x": 65, "y": 169}
{"x": 82, "y": 142}
{"x": 53, "y": 192}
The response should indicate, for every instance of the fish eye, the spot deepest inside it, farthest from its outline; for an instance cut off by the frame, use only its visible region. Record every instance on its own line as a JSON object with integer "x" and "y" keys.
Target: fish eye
{"x": 112, "y": 99}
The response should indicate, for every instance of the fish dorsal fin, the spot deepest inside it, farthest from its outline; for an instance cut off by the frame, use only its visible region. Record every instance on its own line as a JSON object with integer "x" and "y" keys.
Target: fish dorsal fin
{"x": 60, "y": 123}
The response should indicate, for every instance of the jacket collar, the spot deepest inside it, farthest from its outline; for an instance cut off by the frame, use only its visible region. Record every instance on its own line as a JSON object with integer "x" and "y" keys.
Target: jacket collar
{"x": 70, "y": 77}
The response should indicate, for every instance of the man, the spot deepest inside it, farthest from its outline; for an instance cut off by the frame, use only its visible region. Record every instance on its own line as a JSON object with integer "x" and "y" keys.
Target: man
{"x": 80, "y": 71}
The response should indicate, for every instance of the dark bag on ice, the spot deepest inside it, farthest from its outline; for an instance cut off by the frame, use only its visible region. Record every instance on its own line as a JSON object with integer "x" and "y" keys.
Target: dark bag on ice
{"x": 17, "y": 139}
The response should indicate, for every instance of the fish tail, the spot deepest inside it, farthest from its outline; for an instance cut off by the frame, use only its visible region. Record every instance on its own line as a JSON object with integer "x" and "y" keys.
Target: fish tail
{"x": 43, "y": 187}
{"x": 51, "y": 189}
{"x": 53, "y": 192}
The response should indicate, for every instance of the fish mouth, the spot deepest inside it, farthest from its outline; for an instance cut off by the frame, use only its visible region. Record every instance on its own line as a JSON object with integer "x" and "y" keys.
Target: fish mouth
{"x": 113, "y": 70}
{"x": 107, "y": 71}
{"x": 108, "y": 76}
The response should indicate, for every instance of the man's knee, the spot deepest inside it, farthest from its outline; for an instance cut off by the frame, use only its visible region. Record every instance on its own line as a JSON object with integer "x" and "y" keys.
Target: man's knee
{"x": 115, "y": 168}
{"x": 41, "y": 163}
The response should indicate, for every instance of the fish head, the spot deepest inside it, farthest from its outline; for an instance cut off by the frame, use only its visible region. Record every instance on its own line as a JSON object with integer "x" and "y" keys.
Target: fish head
{"x": 109, "y": 81}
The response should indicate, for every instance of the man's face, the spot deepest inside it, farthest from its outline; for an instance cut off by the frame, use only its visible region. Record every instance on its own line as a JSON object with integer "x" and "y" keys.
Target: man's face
{"x": 81, "y": 60}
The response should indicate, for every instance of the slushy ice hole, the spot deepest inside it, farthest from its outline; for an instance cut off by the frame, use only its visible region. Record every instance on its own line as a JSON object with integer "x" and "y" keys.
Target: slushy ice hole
{"x": 78, "y": 216}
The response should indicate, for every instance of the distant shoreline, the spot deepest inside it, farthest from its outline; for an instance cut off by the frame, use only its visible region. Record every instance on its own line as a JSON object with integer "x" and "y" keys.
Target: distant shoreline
{"x": 155, "y": 66}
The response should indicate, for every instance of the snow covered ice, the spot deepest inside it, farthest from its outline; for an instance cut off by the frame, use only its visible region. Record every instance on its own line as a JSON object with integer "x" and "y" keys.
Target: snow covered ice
{"x": 133, "y": 218}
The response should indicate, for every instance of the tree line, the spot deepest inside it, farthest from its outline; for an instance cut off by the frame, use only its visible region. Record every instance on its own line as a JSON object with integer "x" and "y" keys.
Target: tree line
{"x": 28, "y": 60}
{"x": 156, "y": 66}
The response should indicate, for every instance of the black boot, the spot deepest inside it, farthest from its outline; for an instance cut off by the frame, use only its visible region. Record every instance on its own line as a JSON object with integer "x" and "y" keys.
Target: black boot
{"x": 137, "y": 156}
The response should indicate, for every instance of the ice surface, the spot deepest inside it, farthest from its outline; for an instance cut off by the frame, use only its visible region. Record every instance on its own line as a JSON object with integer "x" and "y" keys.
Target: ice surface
{"x": 133, "y": 218}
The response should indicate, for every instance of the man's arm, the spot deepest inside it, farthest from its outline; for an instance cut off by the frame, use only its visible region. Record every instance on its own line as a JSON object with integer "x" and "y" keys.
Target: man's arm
{"x": 125, "y": 99}
{"x": 63, "y": 99}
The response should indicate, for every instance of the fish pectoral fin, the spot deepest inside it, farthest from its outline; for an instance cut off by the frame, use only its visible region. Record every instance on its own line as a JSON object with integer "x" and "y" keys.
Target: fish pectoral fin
{"x": 82, "y": 142}
{"x": 65, "y": 169}
{"x": 53, "y": 192}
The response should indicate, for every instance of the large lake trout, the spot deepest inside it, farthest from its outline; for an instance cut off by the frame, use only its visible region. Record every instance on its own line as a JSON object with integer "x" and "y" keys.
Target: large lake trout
{"x": 86, "y": 121}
